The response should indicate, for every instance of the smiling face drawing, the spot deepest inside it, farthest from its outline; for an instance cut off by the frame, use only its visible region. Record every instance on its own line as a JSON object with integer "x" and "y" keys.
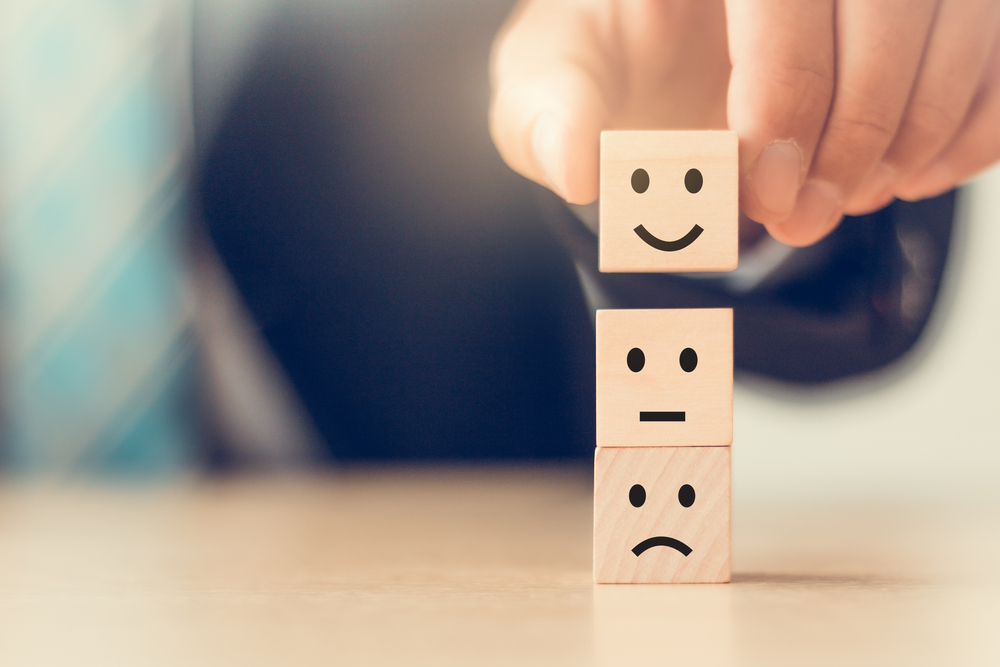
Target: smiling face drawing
{"x": 664, "y": 377}
{"x": 693, "y": 181}
{"x": 668, "y": 201}
{"x": 661, "y": 514}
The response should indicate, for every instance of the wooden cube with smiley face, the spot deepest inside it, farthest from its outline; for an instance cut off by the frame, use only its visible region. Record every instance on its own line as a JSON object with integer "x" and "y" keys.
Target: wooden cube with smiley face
{"x": 664, "y": 377}
{"x": 662, "y": 515}
{"x": 669, "y": 201}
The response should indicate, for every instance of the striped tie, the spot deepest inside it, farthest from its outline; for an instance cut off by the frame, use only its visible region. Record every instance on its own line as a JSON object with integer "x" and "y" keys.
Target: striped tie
{"x": 95, "y": 310}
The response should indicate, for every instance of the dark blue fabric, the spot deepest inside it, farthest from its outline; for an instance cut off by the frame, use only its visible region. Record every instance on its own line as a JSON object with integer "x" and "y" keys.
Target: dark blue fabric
{"x": 401, "y": 273}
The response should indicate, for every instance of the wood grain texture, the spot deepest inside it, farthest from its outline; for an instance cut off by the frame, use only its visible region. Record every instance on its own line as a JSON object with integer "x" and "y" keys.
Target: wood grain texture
{"x": 621, "y": 527}
{"x": 480, "y": 565}
{"x": 704, "y": 395}
{"x": 666, "y": 209}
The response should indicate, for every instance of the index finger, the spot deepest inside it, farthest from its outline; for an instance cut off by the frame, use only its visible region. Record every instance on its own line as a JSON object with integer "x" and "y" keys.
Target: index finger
{"x": 547, "y": 109}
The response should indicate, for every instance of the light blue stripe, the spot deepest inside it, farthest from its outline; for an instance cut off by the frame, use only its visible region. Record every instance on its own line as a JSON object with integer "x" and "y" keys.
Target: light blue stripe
{"x": 157, "y": 432}
{"x": 96, "y": 298}
{"x": 74, "y": 387}
{"x": 165, "y": 220}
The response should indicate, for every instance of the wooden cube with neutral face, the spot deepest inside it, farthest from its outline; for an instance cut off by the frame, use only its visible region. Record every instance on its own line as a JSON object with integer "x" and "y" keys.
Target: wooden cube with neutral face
{"x": 662, "y": 515}
{"x": 664, "y": 377}
{"x": 669, "y": 201}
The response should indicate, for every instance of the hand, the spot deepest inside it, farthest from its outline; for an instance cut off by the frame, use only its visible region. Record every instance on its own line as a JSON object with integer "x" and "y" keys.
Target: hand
{"x": 840, "y": 105}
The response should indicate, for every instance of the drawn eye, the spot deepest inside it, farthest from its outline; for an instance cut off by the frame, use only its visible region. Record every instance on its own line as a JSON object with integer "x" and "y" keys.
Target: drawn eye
{"x": 635, "y": 360}
{"x": 689, "y": 359}
{"x": 637, "y": 495}
{"x": 685, "y": 495}
{"x": 640, "y": 180}
{"x": 692, "y": 180}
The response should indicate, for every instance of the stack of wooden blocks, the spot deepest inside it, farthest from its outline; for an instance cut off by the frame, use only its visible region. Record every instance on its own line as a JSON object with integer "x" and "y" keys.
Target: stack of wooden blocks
{"x": 665, "y": 377}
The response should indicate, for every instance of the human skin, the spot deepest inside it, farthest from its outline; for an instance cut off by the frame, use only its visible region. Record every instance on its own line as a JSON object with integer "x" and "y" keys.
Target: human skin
{"x": 840, "y": 105}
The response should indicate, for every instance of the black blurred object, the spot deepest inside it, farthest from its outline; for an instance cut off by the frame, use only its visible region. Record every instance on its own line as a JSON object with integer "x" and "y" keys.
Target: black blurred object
{"x": 409, "y": 284}
{"x": 851, "y": 304}
{"x": 401, "y": 273}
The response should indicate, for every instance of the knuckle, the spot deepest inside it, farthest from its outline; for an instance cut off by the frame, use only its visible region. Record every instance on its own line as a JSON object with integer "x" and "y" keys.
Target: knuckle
{"x": 806, "y": 83}
{"x": 796, "y": 94}
{"x": 853, "y": 141}
{"x": 868, "y": 130}
{"x": 926, "y": 120}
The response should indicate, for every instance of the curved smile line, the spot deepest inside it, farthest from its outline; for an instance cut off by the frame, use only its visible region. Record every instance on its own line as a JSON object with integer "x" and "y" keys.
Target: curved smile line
{"x": 669, "y": 246}
{"x": 661, "y": 542}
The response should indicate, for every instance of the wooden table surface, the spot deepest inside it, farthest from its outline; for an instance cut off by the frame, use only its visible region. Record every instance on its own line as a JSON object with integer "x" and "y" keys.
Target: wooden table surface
{"x": 473, "y": 566}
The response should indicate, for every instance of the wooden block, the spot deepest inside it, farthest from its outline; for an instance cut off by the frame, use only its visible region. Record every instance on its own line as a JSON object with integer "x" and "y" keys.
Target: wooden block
{"x": 662, "y": 515}
{"x": 664, "y": 377}
{"x": 669, "y": 201}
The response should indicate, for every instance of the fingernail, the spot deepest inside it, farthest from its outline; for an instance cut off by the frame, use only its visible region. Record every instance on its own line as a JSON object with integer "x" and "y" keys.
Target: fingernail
{"x": 817, "y": 210}
{"x": 775, "y": 177}
{"x": 933, "y": 180}
{"x": 545, "y": 143}
{"x": 877, "y": 188}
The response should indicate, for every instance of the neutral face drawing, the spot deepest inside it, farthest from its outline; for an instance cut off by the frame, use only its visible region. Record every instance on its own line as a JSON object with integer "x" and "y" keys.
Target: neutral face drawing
{"x": 661, "y": 514}
{"x": 668, "y": 201}
{"x": 664, "y": 377}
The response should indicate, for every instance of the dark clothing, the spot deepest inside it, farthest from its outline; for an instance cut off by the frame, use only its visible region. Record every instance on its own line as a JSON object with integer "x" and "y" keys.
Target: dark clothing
{"x": 850, "y": 304}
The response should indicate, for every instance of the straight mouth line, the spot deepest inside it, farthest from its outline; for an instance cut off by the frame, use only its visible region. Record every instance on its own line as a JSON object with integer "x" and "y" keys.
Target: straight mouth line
{"x": 661, "y": 416}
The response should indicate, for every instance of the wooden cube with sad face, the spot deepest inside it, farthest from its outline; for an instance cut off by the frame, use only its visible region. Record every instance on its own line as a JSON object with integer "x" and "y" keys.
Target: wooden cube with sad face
{"x": 662, "y": 515}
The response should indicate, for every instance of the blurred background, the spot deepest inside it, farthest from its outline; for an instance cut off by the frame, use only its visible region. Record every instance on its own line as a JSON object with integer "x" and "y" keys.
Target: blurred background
{"x": 271, "y": 234}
